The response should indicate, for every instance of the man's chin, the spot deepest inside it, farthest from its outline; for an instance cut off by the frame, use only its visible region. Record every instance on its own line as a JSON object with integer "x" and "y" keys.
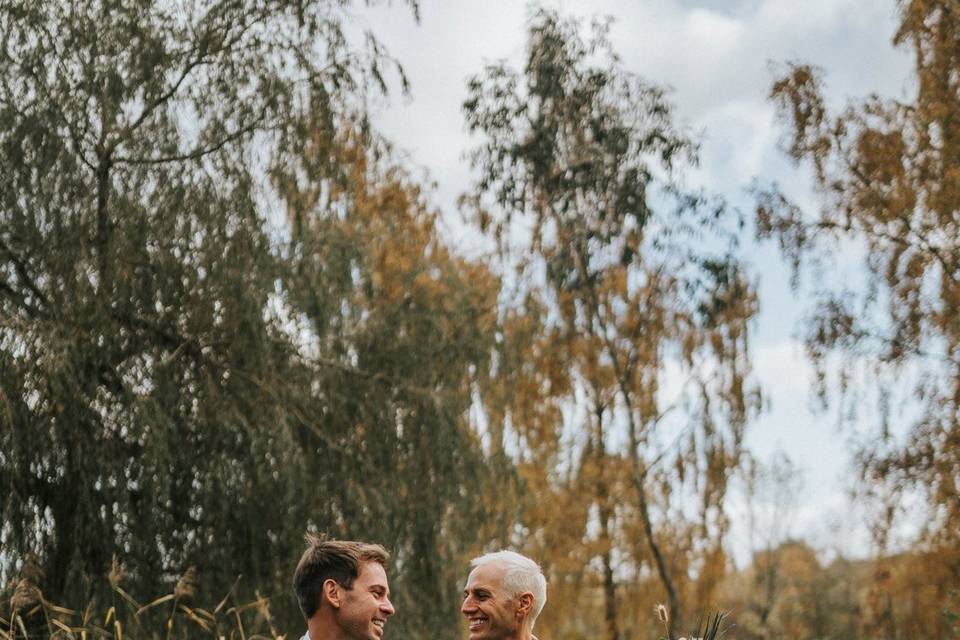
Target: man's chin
{"x": 373, "y": 632}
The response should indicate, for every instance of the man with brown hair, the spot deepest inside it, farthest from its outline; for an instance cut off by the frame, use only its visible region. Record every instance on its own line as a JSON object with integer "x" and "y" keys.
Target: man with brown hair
{"x": 342, "y": 589}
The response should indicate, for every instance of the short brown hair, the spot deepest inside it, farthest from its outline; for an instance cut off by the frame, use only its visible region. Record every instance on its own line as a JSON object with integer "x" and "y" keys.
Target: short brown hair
{"x": 323, "y": 560}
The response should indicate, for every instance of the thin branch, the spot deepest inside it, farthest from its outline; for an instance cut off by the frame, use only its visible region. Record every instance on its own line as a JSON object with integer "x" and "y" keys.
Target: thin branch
{"x": 921, "y": 243}
{"x": 202, "y": 57}
{"x": 76, "y": 136}
{"x": 51, "y": 102}
{"x": 197, "y": 153}
{"x": 17, "y": 298}
{"x": 22, "y": 274}
{"x": 910, "y": 349}
{"x": 639, "y": 469}
{"x": 160, "y": 100}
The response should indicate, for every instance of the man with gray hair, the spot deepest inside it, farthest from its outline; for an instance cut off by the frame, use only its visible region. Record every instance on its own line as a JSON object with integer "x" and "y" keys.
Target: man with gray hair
{"x": 504, "y": 594}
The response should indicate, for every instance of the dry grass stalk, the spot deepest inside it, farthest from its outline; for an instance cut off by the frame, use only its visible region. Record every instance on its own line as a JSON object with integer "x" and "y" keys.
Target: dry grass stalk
{"x": 128, "y": 618}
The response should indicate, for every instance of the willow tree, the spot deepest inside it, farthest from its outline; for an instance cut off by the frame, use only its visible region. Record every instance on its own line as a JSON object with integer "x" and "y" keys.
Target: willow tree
{"x": 886, "y": 171}
{"x": 399, "y": 329}
{"x": 578, "y": 163}
{"x": 159, "y": 399}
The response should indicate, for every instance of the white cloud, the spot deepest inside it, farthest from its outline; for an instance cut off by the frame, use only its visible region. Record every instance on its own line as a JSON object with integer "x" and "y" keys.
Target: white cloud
{"x": 723, "y": 32}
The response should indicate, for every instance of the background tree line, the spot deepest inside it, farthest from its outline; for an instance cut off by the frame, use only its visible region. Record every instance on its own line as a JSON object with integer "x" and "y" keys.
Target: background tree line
{"x": 227, "y": 315}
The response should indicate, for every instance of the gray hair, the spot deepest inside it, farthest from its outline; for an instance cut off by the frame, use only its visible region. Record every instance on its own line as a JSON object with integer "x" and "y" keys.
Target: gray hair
{"x": 521, "y": 575}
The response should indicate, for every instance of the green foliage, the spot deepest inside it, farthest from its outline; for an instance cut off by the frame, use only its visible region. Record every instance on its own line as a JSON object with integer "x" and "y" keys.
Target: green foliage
{"x": 951, "y": 614}
{"x": 188, "y": 377}
{"x": 398, "y": 329}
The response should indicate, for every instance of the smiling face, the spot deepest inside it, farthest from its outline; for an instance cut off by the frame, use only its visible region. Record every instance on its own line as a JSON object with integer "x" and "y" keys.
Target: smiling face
{"x": 365, "y": 608}
{"x": 490, "y": 611}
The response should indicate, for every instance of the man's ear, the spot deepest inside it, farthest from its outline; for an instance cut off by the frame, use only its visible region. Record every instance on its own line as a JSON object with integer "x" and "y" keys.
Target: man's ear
{"x": 331, "y": 591}
{"x": 524, "y": 604}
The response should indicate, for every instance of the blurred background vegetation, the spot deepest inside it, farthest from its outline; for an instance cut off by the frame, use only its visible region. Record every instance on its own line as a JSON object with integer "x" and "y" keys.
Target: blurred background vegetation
{"x": 227, "y": 316}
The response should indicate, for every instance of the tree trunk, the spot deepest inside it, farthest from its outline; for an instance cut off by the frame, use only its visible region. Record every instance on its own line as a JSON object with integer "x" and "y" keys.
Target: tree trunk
{"x": 609, "y": 591}
{"x": 639, "y": 470}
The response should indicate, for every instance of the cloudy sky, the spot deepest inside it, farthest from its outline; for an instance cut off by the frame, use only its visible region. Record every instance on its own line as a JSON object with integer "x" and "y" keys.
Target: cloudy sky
{"x": 719, "y": 58}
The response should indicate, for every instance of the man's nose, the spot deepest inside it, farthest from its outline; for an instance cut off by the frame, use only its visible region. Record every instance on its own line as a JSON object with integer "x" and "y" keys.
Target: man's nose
{"x": 387, "y": 607}
{"x": 468, "y": 606}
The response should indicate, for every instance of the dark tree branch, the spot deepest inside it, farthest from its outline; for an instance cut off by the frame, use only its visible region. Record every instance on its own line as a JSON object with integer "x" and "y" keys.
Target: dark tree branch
{"x": 199, "y": 152}
{"x": 22, "y": 275}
